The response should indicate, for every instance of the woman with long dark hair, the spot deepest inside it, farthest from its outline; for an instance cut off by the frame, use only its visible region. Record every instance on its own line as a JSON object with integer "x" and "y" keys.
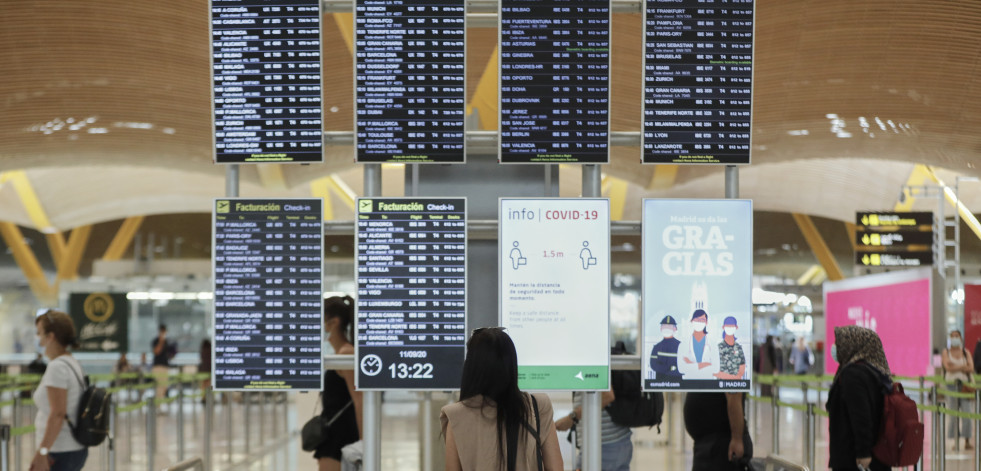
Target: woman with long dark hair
{"x": 856, "y": 399}
{"x": 339, "y": 395}
{"x": 495, "y": 426}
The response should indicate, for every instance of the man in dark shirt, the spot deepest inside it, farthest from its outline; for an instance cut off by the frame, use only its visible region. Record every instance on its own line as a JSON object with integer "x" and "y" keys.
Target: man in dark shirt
{"x": 717, "y": 425}
{"x": 163, "y": 351}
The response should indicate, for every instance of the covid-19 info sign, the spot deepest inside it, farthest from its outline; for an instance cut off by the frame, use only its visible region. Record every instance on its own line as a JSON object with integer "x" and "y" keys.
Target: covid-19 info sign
{"x": 554, "y": 267}
{"x": 697, "y": 271}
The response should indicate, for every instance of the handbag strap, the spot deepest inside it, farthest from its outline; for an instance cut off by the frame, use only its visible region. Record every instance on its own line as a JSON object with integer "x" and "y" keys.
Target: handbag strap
{"x": 338, "y": 414}
{"x": 535, "y": 433}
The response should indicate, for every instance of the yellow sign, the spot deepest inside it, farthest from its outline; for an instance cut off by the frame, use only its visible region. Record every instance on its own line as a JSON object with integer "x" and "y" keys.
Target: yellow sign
{"x": 364, "y": 206}
{"x": 223, "y": 206}
{"x": 98, "y": 307}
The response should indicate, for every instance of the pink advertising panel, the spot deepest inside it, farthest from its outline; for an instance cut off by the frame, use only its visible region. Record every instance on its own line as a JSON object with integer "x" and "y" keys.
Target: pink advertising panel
{"x": 972, "y": 316}
{"x": 895, "y": 305}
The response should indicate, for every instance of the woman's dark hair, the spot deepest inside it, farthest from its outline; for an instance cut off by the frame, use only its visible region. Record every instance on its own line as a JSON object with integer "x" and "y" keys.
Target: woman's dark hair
{"x": 491, "y": 370}
{"x": 59, "y": 324}
{"x": 699, "y": 313}
{"x": 341, "y": 307}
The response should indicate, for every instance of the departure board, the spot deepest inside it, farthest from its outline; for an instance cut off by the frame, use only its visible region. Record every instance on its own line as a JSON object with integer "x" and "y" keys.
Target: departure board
{"x": 267, "y": 257}
{"x": 412, "y": 296}
{"x": 555, "y": 74}
{"x": 410, "y": 77}
{"x": 698, "y": 81}
{"x": 265, "y": 57}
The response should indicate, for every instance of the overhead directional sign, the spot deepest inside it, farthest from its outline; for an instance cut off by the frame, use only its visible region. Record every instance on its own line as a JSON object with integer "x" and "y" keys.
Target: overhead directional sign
{"x": 894, "y": 259}
{"x": 905, "y": 220}
{"x": 895, "y": 239}
{"x": 412, "y": 295}
{"x": 554, "y": 266}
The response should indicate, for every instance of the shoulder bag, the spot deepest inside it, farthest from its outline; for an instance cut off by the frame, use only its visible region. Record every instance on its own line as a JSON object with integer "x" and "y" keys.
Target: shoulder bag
{"x": 315, "y": 431}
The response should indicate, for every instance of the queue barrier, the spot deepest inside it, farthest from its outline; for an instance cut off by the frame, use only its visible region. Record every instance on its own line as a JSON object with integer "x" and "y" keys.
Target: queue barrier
{"x": 137, "y": 384}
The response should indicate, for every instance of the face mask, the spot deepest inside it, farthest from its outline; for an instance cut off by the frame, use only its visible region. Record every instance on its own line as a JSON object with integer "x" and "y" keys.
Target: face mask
{"x": 955, "y": 342}
{"x": 667, "y": 333}
{"x": 730, "y": 330}
{"x": 834, "y": 353}
{"x": 37, "y": 345}
{"x": 698, "y": 326}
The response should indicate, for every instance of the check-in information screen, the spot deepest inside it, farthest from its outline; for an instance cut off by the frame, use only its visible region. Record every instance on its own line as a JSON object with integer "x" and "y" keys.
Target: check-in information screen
{"x": 554, "y": 264}
{"x": 268, "y": 292}
{"x": 412, "y": 295}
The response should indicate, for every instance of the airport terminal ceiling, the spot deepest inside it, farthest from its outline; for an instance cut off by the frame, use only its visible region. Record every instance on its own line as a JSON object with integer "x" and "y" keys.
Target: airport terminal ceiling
{"x": 106, "y": 110}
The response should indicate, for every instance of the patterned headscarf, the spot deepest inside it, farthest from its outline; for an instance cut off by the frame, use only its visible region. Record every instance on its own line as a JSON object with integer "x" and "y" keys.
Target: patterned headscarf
{"x": 854, "y": 344}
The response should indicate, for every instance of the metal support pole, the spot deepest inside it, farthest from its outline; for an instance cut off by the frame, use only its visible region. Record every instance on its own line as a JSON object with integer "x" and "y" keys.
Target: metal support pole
{"x": 732, "y": 182}
{"x": 4, "y": 447}
{"x": 592, "y": 456}
{"x": 669, "y": 405}
{"x": 942, "y": 442}
{"x": 228, "y": 423}
{"x": 810, "y": 438}
{"x": 247, "y": 399}
{"x": 231, "y": 181}
{"x": 934, "y": 436}
{"x": 111, "y": 442}
{"x": 413, "y": 189}
{"x": 209, "y": 422}
{"x": 372, "y": 432}
{"x": 151, "y": 432}
{"x": 129, "y": 437}
{"x": 427, "y": 430}
{"x": 775, "y": 413}
{"x": 16, "y": 422}
{"x": 194, "y": 417}
{"x": 262, "y": 418}
{"x": 551, "y": 180}
{"x": 681, "y": 423}
{"x": 372, "y": 179}
{"x": 591, "y": 181}
{"x": 977, "y": 429}
{"x": 180, "y": 421}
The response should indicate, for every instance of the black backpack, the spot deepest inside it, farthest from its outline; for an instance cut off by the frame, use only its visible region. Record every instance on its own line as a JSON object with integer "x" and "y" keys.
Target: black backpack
{"x": 632, "y": 407}
{"x": 91, "y": 427}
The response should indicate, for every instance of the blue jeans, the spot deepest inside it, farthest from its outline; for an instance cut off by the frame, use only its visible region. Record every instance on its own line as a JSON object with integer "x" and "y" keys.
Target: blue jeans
{"x": 69, "y": 460}
{"x": 617, "y": 455}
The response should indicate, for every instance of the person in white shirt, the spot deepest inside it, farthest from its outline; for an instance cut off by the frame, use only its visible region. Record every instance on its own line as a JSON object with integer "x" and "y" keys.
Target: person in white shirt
{"x": 698, "y": 358}
{"x": 57, "y": 397}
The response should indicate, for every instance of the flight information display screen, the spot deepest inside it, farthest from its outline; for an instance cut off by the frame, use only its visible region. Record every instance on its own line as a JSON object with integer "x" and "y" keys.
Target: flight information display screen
{"x": 555, "y": 74}
{"x": 410, "y": 91}
{"x": 698, "y": 81}
{"x": 412, "y": 296}
{"x": 265, "y": 57}
{"x": 267, "y": 257}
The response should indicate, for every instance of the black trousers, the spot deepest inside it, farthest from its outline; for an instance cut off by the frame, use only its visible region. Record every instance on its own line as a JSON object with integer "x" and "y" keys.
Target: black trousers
{"x": 710, "y": 452}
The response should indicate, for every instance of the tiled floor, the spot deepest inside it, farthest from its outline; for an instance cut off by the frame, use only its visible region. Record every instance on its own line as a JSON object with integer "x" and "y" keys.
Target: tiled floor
{"x": 261, "y": 430}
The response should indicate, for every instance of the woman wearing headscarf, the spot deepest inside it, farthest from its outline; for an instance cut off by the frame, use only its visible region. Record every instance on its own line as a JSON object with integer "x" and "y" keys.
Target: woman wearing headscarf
{"x": 856, "y": 399}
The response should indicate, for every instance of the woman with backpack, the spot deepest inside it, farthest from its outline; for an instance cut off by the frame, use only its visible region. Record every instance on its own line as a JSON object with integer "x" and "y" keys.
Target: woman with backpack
{"x": 856, "y": 399}
{"x": 57, "y": 397}
{"x": 495, "y": 426}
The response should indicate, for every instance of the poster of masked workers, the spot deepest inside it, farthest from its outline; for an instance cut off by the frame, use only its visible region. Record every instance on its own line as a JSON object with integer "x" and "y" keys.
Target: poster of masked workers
{"x": 697, "y": 295}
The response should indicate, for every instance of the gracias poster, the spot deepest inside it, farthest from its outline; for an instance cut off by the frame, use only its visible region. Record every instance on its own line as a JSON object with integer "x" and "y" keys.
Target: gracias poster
{"x": 697, "y": 272}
